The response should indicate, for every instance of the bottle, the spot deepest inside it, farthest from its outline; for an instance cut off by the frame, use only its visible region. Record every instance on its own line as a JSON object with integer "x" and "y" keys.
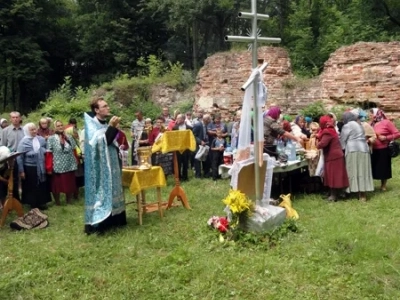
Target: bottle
{"x": 287, "y": 150}
{"x": 279, "y": 146}
{"x": 291, "y": 151}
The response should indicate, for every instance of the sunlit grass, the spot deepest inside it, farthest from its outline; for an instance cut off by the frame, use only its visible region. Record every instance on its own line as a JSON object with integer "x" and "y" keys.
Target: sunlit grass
{"x": 344, "y": 250}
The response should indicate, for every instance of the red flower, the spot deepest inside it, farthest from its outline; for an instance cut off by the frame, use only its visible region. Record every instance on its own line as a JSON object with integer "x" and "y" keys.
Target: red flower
{"x": 223, "y": 225}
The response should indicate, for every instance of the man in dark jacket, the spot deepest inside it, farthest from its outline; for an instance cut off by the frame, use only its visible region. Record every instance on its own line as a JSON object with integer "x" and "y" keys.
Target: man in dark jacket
{"x": 200, "y": 134}
{"x": 183, "y": 158}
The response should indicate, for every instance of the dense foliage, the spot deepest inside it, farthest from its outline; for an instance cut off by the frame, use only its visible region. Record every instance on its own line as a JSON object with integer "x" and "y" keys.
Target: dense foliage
{"x": 125, "y": 94}
{"x": 92, "y": 41}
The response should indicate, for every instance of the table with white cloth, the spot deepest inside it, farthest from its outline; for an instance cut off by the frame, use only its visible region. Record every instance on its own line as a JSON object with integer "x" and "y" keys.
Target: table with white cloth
{"x": 282, "y": 171}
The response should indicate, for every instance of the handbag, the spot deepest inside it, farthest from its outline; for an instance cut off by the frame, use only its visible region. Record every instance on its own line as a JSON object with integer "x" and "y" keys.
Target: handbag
{"x": 394, "y": 148}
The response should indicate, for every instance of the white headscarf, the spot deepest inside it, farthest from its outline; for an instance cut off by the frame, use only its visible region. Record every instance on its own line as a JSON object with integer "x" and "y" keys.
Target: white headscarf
{"x": 4, "y": 153}
{"x": 35, "y": 140}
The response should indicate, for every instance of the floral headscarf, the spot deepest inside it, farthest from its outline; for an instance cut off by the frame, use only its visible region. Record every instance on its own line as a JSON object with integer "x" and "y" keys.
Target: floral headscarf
{"x": 274, "y": 112}
{"x": 327, "y": 126}
{"x": 378, "y": 116}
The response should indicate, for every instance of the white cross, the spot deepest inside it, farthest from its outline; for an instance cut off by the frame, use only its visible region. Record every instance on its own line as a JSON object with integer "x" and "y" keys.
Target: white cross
{"x": 254, "y": 78}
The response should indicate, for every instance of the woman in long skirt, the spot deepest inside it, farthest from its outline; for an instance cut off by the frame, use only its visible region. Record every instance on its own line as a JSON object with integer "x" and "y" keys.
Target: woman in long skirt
{"x": 358, "y": 159}
{"x": 381, "y": 159}
{"x": 31, "y": 168}
{"x": 61, "y": 163}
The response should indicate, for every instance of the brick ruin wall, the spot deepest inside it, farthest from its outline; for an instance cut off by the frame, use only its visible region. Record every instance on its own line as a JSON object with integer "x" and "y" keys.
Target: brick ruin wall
{"x": 363, "y": 73}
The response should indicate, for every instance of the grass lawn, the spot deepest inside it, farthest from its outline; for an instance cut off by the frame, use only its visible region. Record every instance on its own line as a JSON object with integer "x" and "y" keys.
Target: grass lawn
{"x": 344, "y": 250}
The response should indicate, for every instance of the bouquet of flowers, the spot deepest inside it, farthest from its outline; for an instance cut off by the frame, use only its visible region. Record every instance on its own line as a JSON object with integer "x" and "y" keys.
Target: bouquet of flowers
{"x": 219, "y": 223}
{"x": 237, "y": 205}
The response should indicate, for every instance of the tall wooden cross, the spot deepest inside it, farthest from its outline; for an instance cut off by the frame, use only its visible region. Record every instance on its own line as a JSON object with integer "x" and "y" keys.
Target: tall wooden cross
{"x": 254, "y": 77}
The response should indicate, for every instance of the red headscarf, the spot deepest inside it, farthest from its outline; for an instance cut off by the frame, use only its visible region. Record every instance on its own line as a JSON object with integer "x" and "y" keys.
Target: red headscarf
{"x": 286, "y": 126}
{"x": 327, "y": 126}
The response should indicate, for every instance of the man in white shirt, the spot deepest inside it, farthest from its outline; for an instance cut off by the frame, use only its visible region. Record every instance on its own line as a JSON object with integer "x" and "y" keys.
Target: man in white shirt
{"x": 136, "y": 132}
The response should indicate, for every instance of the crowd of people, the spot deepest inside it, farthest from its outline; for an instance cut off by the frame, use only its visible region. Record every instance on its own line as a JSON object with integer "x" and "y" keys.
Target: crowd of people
{"x": 52, "y": 155}
{"x": 209, "y": 130}
{"x": 48, "y": 163}
{"x": 354, "y": 151}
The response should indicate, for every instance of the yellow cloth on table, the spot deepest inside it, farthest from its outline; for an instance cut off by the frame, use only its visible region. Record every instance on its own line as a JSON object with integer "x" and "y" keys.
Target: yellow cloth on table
{"x": 175, "y": 140}
{"x": 138, "y": 180}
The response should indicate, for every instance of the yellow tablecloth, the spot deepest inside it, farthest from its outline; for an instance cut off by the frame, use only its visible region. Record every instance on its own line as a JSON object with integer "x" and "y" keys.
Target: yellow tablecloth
{"x": 175, "y": 140}
{"x": 138, "y": 180}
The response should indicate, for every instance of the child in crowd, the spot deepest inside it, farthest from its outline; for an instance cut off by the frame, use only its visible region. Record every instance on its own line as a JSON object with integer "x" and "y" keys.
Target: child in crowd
{"x": 217, "y": 153}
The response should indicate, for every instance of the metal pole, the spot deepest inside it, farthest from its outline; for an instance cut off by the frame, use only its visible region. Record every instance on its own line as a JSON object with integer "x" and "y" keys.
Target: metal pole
{"x": 255, "y": 108}
{"x": 252, "y": 77}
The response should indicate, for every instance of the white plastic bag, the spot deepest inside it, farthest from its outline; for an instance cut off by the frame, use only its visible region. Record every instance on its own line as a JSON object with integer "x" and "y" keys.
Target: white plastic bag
{"x": 201, "y": 155}
{"x": 319, "y": 171}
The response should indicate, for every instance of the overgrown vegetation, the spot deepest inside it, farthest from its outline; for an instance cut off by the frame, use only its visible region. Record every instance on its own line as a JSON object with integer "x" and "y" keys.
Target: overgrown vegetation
{"x": 125, "y": 94}
{"x": 43, "y": 41}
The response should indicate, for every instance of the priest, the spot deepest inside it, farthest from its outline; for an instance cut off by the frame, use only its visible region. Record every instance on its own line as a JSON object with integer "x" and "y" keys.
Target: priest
{"x": 104, "y": 200}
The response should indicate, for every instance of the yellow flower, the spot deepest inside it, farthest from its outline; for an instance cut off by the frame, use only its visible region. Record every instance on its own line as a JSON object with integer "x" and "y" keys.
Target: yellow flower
{"x": 238, "y": 202}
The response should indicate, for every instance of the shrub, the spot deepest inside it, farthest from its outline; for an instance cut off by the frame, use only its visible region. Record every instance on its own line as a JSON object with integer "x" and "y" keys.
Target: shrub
{"x": 314, "y": 110}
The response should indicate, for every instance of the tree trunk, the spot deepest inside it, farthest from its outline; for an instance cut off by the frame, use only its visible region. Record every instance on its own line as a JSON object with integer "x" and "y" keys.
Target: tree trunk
{"x": 195, "y": 35}
{"x": 5, "y": 93}
{"x": 22, "y": 101}
{"x": 13, "y": 104}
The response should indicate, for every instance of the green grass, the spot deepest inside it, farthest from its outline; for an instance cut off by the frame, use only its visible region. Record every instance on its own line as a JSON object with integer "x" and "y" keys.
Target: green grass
{"x": 344, "y": 250}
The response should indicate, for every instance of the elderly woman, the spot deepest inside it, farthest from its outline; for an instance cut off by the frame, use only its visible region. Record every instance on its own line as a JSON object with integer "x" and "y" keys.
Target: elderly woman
{"x": 299, "y": 128}
{"x": 61, "y": 163}
{"x": 144, "y": 138}
{"x": 381, "y": 159}
{"x": 370, "y": 135}
{"x": 358, "y": 159}
{"x": 335, "y": 174}
{"x": 31, "y": 168}
{"x": 44, "y": 130}
{"x": 272, "y": 130}
{"x": 314, "y": 128}
{"x": 72, "y": 131}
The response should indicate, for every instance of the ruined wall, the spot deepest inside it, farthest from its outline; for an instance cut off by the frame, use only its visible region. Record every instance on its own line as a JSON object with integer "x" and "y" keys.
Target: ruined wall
{"x": 363, "y": 72}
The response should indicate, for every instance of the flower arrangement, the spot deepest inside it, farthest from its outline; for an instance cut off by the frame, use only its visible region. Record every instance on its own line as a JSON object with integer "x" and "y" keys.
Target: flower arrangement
{"x": 238, "y": 205}
{"x": 219, "y": 223}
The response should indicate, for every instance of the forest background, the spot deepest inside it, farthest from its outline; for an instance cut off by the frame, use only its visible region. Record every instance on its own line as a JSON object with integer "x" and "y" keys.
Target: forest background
{"x": 53, "y": 52}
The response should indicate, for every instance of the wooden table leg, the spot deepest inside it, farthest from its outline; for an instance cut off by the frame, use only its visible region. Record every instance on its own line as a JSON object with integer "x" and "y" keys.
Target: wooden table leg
{"x": 177, "y": 191}
{"x": 143, "y": 196}
{"x": 139, "y": 208}
{"x": 160, "y": 209}
{"x": 10, "y": 205}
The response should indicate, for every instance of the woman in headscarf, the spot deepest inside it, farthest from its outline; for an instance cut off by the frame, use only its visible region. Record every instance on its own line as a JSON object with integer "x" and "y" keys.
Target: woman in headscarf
{"x": 299, "y": 128}
{"x": 4, "y": 174}
{"x": 44, "y": 128}
{"x": 272, "y": 130}
{"x": 381, "y": 159}
{"x": 357, "y": 157}
{"x": 335, "y": 175}
{"x": 31, "y": 168}
{"x": 144, "y": 138}
{"x": 61, "y": 163}
{"x": 3, "y": 124}
{"x": 370, "y": 135}
{"x": 314, "y": 128}
{"x": 72, "y": 130}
